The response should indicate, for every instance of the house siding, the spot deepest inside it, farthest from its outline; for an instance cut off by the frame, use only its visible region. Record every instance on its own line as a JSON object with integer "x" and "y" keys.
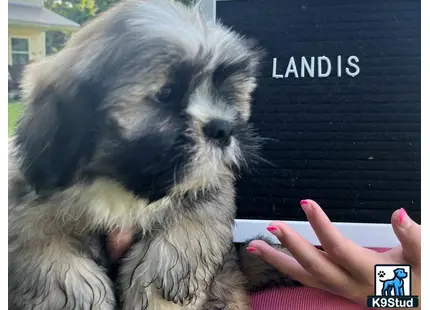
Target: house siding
{"x": 36, "y": 41}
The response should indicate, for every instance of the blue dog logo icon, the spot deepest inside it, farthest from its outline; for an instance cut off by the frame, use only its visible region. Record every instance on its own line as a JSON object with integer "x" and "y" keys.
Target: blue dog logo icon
{"x": 392, "y": 291}
{"x": 395, "y": 284}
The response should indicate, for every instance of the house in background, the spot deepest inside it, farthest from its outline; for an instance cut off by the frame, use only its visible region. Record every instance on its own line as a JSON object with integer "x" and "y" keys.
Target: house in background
{"x": 28, "y": 22}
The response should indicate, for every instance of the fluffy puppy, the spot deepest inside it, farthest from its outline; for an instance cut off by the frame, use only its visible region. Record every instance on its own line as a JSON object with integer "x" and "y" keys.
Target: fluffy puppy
{"x": 139, "y": 123}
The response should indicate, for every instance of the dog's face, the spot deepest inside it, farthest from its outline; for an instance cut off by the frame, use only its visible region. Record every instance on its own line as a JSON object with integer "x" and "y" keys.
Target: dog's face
{"x": 147, "y": 94}
{"x": 400, "y": 273}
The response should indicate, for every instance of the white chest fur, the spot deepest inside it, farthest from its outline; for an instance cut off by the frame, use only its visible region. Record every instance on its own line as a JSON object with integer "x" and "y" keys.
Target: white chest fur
{"x": 107, "y": 204}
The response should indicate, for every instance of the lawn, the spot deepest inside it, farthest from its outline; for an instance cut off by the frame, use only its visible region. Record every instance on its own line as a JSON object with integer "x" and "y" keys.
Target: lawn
{"x": 14, "y": 112}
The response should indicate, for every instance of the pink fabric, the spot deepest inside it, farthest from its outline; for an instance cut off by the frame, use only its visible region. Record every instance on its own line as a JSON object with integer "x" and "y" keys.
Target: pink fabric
{"x": 302, "y": 298}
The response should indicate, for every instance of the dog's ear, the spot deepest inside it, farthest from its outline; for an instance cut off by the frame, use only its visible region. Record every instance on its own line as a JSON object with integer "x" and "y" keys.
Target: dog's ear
{"x": 58, "y": 130}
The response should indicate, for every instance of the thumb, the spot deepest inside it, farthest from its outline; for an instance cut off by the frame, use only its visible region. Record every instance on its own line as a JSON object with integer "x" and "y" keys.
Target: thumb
{"x": 409, "y": 234}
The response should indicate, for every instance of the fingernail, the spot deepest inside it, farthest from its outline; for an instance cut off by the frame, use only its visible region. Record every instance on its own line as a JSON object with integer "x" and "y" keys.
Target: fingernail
{"x": 306, "y": 206}
{"x": 252, "y": 250}
{"x": 274, "y": 230}
{"x": 403, "y": 219}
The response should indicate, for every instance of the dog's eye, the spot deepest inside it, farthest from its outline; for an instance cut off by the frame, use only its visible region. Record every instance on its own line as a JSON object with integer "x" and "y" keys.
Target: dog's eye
{"x": 165, "y": 94}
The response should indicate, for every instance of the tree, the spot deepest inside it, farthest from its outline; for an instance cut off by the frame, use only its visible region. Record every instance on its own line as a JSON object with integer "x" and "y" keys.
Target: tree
{"x": 77, "y": 10}
{"x": 103, "y": 5}
{"x": 80, "y": 11}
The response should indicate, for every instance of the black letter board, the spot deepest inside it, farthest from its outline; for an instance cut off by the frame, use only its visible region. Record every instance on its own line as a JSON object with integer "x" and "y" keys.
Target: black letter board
{"x": 339, "y": 97}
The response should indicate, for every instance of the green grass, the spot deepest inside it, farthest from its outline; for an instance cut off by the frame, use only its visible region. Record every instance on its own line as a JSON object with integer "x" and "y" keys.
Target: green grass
{"x": 14, "y": 112}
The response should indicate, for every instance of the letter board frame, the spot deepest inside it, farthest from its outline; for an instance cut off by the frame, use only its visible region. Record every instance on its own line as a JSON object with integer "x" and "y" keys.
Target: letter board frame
{"x": 389, "y": 102}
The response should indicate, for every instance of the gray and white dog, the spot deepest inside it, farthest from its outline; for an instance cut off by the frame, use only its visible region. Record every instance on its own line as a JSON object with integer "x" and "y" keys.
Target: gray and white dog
{"x": 140, "y": 123}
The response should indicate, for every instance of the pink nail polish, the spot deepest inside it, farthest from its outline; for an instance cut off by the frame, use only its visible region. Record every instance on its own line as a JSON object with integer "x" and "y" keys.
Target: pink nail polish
{"x": 306, "y": 206}
{"x": 402, "y": 216}
{"x": 251, "y": 249}
{"x": 272, "y": 228}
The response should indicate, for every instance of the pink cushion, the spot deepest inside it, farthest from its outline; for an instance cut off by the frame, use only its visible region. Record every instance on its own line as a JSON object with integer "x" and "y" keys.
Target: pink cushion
{"x": 301, "y": 298}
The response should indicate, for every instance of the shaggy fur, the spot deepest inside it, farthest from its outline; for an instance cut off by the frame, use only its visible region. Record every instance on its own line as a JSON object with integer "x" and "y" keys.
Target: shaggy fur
{"x": 139, "y": 123}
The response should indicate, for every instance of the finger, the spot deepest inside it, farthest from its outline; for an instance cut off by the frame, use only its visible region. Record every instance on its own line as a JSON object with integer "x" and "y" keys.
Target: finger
{"x": 354, "y": 258}
{"x": 394, "y": 255}
{"x": 409, "y": 234}
{"x": 118, "y": 242}
{"x": 283, "y": 262}
{"x": 312, "y": 259}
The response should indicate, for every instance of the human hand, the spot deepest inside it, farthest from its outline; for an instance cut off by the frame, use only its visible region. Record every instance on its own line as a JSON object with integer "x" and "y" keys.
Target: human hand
{"x": 343, "y": 268}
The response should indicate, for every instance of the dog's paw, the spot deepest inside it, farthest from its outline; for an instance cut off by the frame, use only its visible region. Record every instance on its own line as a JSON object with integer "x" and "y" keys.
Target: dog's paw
{"x": 381, "y": 274}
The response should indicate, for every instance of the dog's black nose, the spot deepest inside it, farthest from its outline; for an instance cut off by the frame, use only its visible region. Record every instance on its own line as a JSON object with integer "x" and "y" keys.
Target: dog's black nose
{"x": 219, "y": 130}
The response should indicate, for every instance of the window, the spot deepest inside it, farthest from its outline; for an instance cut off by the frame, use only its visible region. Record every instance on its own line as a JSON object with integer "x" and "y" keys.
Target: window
{"x": 20, "y": 51}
